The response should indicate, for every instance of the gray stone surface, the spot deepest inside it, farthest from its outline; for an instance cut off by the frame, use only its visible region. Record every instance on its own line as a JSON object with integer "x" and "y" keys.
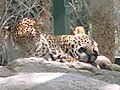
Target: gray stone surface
{"x": 54, "y": 81}
{"x": 38, "y": 74}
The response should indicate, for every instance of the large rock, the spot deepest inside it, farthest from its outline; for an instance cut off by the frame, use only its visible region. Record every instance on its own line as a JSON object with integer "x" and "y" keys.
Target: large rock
{"x": 54, "y": 81}
{"x": 38, "y": 74}
{"x": 105, "y": 63}
{"x": 33, "y": 64}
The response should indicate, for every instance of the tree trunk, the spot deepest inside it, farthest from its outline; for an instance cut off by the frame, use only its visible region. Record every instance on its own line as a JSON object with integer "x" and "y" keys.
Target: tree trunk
{"x": 102, "y": 13}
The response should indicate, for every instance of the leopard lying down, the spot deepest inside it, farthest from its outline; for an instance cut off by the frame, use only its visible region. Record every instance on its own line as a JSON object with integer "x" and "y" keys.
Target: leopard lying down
{"x": 62, "y": 48}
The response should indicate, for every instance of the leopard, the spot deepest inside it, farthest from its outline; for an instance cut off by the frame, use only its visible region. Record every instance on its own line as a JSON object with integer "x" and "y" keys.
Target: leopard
{"x": 61, "y": 48}
{"x": 22, "y": 34}
{"x": 49, "y": 48}
{"x": 79, "y": 30}
{"x": 80, "y": 45}
{"x": 26, "y": 38}
{"x": 70, "y": 48}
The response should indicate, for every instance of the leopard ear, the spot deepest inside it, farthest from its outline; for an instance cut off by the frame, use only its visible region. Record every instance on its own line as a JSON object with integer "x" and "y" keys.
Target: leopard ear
{"x": 79, "y": 30}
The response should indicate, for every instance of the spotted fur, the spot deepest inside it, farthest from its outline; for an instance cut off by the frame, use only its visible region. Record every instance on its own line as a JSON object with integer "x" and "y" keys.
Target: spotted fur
{"x": 62, "y": 48}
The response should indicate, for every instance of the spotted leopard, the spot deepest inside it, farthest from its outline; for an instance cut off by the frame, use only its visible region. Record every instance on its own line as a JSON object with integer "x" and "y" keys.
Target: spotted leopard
{"x": 22, "y": 34}
{"x": 63, "y": 48}
{"x": 80, "y": 47}
{"x": 28, "y": 39}
{"x": 79, "y": 30}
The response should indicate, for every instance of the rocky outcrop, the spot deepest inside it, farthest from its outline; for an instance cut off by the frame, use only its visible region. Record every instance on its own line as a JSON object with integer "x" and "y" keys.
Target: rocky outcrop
{"x": 105, "y": 63}
{"x": 54, "y": 81}
{"x": 38, "y": 74}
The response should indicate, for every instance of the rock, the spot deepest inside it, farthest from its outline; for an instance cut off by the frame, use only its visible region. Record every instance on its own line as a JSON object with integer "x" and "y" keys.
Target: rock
{"x": 34, "y": 64}
{"x": 38, "y": 74}
{"x": 38, "y": 65}
{"x": 5, "y": 72}
{"x": 115, "y": 67}
{"x": 54, "y": 81}
{"x": 104, "y": 62}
